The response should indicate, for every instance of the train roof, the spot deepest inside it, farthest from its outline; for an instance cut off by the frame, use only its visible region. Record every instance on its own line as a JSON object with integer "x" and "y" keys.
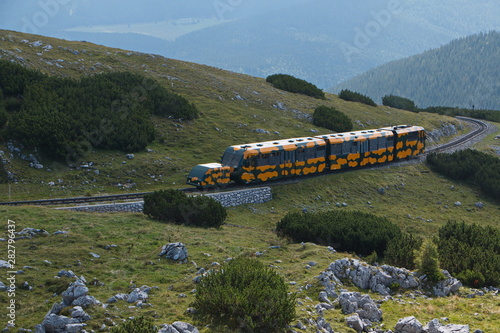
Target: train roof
{"x": 320, "y": 140}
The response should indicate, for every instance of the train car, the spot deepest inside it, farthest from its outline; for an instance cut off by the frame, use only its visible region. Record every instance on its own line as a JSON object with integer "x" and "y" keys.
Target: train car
{"x": 270, "y": 160}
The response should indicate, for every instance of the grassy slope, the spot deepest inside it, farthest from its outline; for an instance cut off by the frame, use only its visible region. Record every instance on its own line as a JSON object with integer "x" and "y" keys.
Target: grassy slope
{"x": 421, "y": 205}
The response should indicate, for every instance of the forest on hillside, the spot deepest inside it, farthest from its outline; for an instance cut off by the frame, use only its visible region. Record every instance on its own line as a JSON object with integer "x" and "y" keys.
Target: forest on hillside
{"x": 463, "y": 73}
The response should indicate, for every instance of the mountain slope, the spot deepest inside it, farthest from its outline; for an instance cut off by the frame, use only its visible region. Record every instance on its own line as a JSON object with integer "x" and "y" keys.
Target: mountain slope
{"x": 463, "y": 73}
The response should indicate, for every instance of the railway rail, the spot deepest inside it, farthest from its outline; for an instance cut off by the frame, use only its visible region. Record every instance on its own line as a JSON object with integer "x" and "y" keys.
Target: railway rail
{"x": 480, "y": 129}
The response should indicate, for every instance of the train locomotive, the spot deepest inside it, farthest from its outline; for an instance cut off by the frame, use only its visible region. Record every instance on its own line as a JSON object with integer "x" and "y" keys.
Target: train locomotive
{"x": 271, "y": 160}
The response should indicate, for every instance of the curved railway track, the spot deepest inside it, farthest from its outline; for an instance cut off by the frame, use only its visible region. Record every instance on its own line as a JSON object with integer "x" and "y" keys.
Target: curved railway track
{"x": 480, "y": 129}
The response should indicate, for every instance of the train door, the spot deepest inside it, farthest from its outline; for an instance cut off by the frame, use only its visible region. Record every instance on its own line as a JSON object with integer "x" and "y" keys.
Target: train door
{"x": 288, "y": 161}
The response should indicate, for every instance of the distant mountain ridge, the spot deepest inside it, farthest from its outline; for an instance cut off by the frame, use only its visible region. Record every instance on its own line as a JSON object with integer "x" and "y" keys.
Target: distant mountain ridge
{"x": 464, "y": 73}
{"x": 323, "y": 42}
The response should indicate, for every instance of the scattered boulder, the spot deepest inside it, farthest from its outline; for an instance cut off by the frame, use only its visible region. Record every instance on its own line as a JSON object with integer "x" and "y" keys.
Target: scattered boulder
{"x": 28, "y": 233}
{"x": 409, "y": 325}
{"x": 434, "y": 326}
{"x": 355, "y": 322}
{"x": 260, "y": 130}
{"x": 362, "y": 304}
{"x": 178, "y": 327}
{"x": 175, "y": 251}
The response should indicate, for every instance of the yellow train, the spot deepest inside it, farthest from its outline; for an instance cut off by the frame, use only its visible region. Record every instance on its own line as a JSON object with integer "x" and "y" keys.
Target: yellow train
{"x": 271, "y": 160}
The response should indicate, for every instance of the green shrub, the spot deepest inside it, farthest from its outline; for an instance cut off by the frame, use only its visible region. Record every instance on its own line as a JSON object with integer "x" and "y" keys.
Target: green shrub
{"x": 14, "y": 78}
{"x": 470, "y": 165}
{"x": 244, "y": 296}
{"x": 355, "y": 231}
{"x": 427, "y": 261}
{"x": 468, "y": 250}
{"x": 175, "y": 206}
{"x": 295, "y": 85}
{"x": 332, "y": 119}
{"x": 353, "y": 96}
{"x": 3, "y": 112}
{"x": 399, "y": 103}
{"x": 400, "y": 251}
{"x": 488, "y": 179}
{"x": 135, "y": 325}
{"x": 471, "y": 278}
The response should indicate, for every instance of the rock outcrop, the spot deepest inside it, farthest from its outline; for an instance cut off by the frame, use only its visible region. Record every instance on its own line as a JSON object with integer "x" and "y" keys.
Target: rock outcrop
{"x": 73, "y": 320}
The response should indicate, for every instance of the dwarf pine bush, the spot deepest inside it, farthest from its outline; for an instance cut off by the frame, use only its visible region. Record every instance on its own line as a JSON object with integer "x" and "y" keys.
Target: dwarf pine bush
{"x": 244, "y": 296}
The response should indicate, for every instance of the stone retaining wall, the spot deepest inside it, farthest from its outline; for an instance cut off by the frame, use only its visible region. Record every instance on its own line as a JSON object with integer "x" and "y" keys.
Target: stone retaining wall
{"x": 227, "y": 199}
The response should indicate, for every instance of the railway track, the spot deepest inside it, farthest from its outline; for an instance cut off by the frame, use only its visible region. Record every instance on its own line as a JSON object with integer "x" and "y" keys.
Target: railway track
{"x": 480, "y": 129}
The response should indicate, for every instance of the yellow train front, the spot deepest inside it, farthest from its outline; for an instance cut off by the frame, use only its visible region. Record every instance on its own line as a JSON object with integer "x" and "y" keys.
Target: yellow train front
{"x": 270, "y": 160}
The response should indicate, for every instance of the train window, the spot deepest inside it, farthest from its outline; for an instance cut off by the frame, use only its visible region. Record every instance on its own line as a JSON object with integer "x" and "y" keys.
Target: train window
{"x": 346, "y": 147}
{"x": 390, "y": 142}
{"x": 262, "y": 159}
{"x": 275, "y": 158}
{"x": 382, "y": 142}
{"x": 412, "y": 136}
{"x": 300, "y": 154}
{"x": 355, "y": 147}
{"x": 320, "y": 151}
{"x": 336, "y": 149}
{"x": 373, "y": 144}
{"x": 310, "y": 153}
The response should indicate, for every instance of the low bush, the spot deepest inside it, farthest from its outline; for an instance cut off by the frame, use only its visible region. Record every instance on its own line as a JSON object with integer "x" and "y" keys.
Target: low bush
{"x": 295, "y": 85}
{"x": 400, "y": 251}
{"x": 332, "y": 119}
{"x": 244, "y": 296}
{"x": 353, "y": 96}
{"x": 348, "y": 231}
{"x": 175, "y": 206}
{"x": 135, "y": 325}
{"x": 471, "y": 252}
{"x": 471, "y": 165}
{"x": 3, "y": 112}
{"x": 400, "y": 103}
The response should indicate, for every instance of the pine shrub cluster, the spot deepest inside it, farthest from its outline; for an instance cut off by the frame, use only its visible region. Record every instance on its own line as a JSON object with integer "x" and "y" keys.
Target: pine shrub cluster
{"x": 332, "y": 119}
{"x": 175, "y": 206}
{"x": 244, "y": 296}
{"x": 471, "y": 253}
{"x": 292, "y": 84}
{"x": 401, "y": 251}
{"x": 470, "y": 165}
{"x": 347, "y": 231}
{"x": 135, "y": 325}
{"x": 353, "y": 96}
{"x": 66, "y": 118}
{"x": 398, "y": 102}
